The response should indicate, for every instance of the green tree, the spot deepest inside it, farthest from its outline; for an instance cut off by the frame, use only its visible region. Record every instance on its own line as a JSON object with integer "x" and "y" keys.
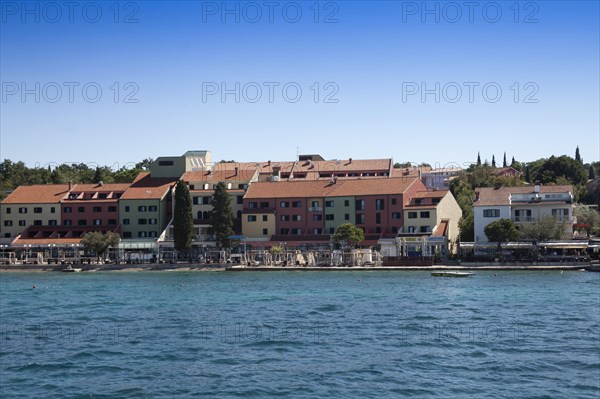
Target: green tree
{"x": 402, "y": 165}
{"x": 577, "y": 155}
{"x": 348, "y": 235}
{"x": 466, "y": 227}
{"x": 588, "y": 218}
{"x": 99, "y": 242}
{"x": 504, "y": 164}
{"x": 222, "y": 216}
{"x": 591, "y": 172}
{"x": 493, "y": 161}
{"x": 478, "y": 159}
{"x": 145, "y": 164}
{"x": 544, "y": 229}
{"x": 512, "y": 162}
{"x": 501, "y": 230}
{"x": 183, "y": 222}
{"x": 527, "y": 174}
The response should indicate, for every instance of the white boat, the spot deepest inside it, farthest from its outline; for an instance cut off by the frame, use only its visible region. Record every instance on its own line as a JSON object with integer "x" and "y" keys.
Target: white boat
{"x": 451, "y": 274}
{"x": 70, "y": 269}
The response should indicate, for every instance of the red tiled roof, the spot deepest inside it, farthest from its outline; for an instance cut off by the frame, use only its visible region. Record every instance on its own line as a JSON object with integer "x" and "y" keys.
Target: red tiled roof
{"x": 46, "y": 241}
{"x": 441, "y": 229}
{"x": 146, "y": 187}
{"x": 431, "y": 194}
{"x": 37, "y": 194}
{"x": 319, "y": 188}
{"x": 100, "y": 188}
{"x": 343, "y": 165}
{"x": 501, "y": 196}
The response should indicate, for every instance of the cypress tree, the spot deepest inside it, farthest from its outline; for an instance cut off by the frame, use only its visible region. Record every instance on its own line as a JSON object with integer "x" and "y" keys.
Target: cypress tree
{"x": 222, "y": 216}
{"x": 478, "y": 159}
{"x": 527, "y": 174}
{"x": 183, "y": 221}
{"x": 512, "y": 163}
{"x": 592, "y": 172}
{"x": 504, "y": 165}
{"x": 577, "y": 155}
{"x": 493, "y": 161}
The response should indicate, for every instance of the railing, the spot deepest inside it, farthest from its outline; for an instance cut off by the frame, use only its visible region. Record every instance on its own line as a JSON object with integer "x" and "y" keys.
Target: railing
{"x": 521, "y": 219}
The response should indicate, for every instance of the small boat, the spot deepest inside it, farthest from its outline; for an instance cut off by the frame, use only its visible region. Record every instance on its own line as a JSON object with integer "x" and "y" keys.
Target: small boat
{"x": 70, "y": 269}
{"x": 451, "y": 274}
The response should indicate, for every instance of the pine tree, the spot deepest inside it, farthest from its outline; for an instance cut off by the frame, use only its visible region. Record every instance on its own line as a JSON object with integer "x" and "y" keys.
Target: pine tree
{"x": 493, "y": 161}
{"x": 478, "y": 159}
{"x": 504, "y": 165}
{"x": 222, "y": 216}
{"x": 577, "y": 156}
{"x": 183, "y": 221}
{"x": 592, "y": 172}
{"x": 97, "y": 176}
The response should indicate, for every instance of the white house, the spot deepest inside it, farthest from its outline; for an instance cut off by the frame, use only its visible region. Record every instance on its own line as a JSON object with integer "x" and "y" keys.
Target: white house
{"x": 522, "y": 205}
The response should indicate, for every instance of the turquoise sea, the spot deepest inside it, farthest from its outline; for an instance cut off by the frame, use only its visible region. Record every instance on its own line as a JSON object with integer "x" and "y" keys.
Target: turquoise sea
{"x": 299, "y": 335}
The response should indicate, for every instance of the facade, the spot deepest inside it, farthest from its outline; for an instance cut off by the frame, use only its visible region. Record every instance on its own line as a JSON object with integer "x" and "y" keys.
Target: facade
{"x": 439, "y": 179}
{"x": 522, "y": 205}
{"x": 303, "y": 210}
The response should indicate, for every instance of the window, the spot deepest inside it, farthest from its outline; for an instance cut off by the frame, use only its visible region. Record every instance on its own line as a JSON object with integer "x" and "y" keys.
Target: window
{"x": 378, "y": 218}
{"x": 127, "y": 210}
{"x": 360, "y": 218}
{"x": 347, "y": 216}
{"x": 317, "y": 217}
{"x": 127, "y": 234}
{"x": 296, "y": 218}
{"x": 425, "y": 229}
{"x": 81, "y": 209}
{"x": 152, "y": 221}
{"x": 329, "y": 204}
{"x": 252, "y": 205}
{"x": 67, "y": 209}
{"x": 284, "y": 204}
{"x": 346, "y": 202}
{"x": 165, "y": 163}
{"x": 22, "y": 210}
{"x": 112, "y": 208}
{"x": 152, "y": 208}
{"x": 265, "y": 232}
{"x": 252, "y": 218}
{"x": 412, "y": 215}
{"x": 97, "y": 222}
{"x": 152, "y": 234}
{"x": 125, "y": 221}
{"x": 8, "y": 210}
{"x": 192, "y": 187}
{"x": 491, "y": 213}
{"x": 52, "y": 210}
{"x": 265, "y": 218}
{"x": 296, "y": 204}
{"x": 240, "y": 199}
{"x": 411, "y": 229}
{"x": 379, "y": 204}
{"x": 206, "y": 200}
{"x": 37, "y": 210}
{"x": 264, "y": 204}
{"x": 142, "y": 208}
{"x": 331, "y": 230}
{"x": 329, "y": 217}
{"x": 396, "y": 215}
{"x": 425, "y": 214}
{"x": 317, "y": 231}
{"x": 22, "y": 223}
{"x": 418, "y": 201}
{"x": 285, "y": 231}
{"x": 8, "y": 223}
{"x": 112, "y": 222}
{"x": 360, "y": 205}
{"x": 37, "y": 222}
{"x": 378, "y": 230}
{"x": 195, "y": 200}
{"x": 97, "y": 209}
{"x": 82, "y": 222}
{"x": 393, "y": 201}
{"x": 297, "y": 231}
{"x": 6, "y": 235}
{"x": 315, "y": 204}
{"x": 102, "y": 195}
{"x": 142, "y": 234}
{"x": 285, "y": 218}
{"x": 142, "y": 221}
{"x": 67, "y": 222}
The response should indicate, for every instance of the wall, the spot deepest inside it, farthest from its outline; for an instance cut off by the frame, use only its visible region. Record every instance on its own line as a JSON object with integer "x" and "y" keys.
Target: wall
{"x": 14, "y": 216}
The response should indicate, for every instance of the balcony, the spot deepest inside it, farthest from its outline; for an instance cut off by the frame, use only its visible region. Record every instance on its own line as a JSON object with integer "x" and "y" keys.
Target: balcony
{"x": 524, "y": 219}
{"x": 315, "y": 209}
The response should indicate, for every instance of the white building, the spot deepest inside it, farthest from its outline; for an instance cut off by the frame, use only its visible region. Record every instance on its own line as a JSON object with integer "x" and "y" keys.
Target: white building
{"x": 522, "y": 205}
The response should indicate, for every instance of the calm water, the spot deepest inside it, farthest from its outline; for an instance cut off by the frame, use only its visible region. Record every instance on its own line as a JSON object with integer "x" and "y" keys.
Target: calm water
{"x": 299, "y": 335}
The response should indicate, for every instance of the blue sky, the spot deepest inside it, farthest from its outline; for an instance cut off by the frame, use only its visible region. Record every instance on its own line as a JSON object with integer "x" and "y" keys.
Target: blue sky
{"x": 520, "y": 77}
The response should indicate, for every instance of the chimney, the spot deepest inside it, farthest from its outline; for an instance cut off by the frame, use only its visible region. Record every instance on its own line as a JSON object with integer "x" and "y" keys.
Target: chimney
{"x": 476, "y": 196}
{"x": 350, "y": 160}
{"x": 269, "y": 162}
{"x": 536, "y": 188}
{"x": 70, "y": 185}
{"x": 236, "y": 171}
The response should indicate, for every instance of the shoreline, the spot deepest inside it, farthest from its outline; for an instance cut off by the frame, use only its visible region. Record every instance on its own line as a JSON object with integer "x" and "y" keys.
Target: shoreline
{"x": 221, "y": 268}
